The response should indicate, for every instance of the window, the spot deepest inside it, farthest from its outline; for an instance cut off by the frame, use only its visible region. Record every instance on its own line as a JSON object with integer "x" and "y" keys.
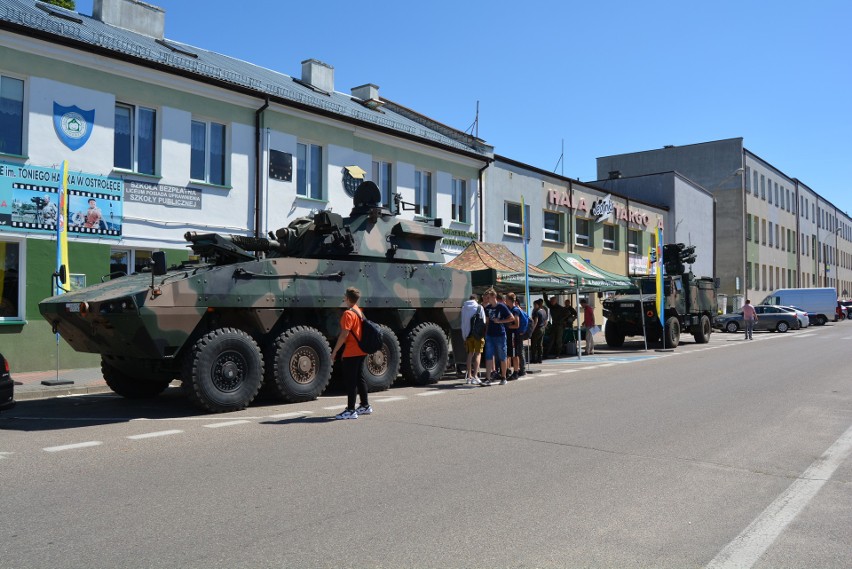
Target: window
{"x": 128, "y": 261}
{"x": 770, "y": 234}
{"x": 512, "y": 219}
{"x": 423, "y": 193}
{"x": 754, "y": 183}
{"x": 763, "y": 276}
{"x": 769, "y": 186}
{"x": 748, "y": 227}
{"x": 748, "y": 180}
{"x": 583, "y": 234}
{"x": 610, "y": 237}
{"x": 749, "y": 283}
{"x": 763, "y": 231}
{"x": 141, "y": 259}
{"x": 777, "y": 196}
{"x": 762, "y": 187}
{"x": 135, "y": 145}
{"x": 634, "y": 242}
{"x": 756, "y": 229}
{"x": 207, "y": 154}
{"x": 757, "y": 276}
{"x": 553, "y": 226}
{"x": 11, "y": 281}
{"x": 460, "y": 203}
{"x": 11, "y": 115}
{"x": 382, "y": 176}
{"x": 309, "y": 176}
{"x": 777, "y": 236}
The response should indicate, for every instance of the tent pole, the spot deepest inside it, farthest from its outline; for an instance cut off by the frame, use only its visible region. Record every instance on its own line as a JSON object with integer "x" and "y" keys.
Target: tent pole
{"x": 577, "y": 336}
{"x": 642, "y": 315}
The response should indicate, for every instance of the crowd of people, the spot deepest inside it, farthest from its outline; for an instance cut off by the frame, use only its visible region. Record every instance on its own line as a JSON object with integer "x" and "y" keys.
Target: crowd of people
{"x": 497, "y": 328}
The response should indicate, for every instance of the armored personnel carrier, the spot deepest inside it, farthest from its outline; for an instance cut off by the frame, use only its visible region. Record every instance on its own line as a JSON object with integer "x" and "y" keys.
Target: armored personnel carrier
{"x": 257, "y": 310}
{"x": 689, "y": 305}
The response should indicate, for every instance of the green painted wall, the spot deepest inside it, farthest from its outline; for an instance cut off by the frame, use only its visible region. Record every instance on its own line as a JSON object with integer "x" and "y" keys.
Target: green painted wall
{"x": 31, "y": 346}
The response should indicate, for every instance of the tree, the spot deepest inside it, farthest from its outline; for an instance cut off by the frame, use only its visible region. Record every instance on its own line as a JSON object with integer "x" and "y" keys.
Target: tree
{"x": 67, "y": 4}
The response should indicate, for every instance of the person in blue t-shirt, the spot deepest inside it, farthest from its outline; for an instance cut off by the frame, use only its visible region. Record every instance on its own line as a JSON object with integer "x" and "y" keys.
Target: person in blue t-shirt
{"x": 496, "y": 315}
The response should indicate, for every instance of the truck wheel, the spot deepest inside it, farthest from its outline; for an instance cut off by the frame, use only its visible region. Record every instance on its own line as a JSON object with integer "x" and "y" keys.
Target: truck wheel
{"x": 672, "y": 333}
{"x": 702, "y": 334}
{"x": 820, "y": 320}
{"x": 782, "y": 327}
{"x": 300, "y": 367}
{"x": 426, "y": 354}
{"x": 732, "y": 326}
{"x": 613, "y": 334}
{"x": 132, "y": 387}
{"x": 380, "y": 369}
{"x": 223, "y": 371}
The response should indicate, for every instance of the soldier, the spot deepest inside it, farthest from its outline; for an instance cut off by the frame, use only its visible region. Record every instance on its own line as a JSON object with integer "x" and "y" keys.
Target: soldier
{"x": 561, "y": 317}
{"x": 538, "y": 322}
{"x": 353, "y": 357}
{"x": 514, "y": 340}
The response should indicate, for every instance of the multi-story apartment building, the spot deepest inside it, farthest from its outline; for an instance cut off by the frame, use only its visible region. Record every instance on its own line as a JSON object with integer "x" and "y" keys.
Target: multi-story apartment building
{"x": 772, "y": 230}
{"x": 166, "y": 138}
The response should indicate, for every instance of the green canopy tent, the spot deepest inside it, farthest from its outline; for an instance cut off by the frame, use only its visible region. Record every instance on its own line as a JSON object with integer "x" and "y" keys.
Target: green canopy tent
{"x": 589, "y": 278}
{"x": 493, "y": 264}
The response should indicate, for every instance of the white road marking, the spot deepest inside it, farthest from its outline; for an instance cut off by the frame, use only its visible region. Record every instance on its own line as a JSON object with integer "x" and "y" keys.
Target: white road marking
{"x": 73, "y": 446}
{"x": 154, "y": 434}
{"x": 227, "y": 424}
{"x": 335, "y": 407}
{"x": 5, "y": 455}
{"x": 846, "y": 338}
{"x": 439, "y": 391}
{"x": 185, "y": 418}
{"x": 545, "y": 374}
{"x": 288, "y": 415}
{"x": 807, "y": 335}
{"x": 747, "y": 548}
{"x": 389, "y": 399}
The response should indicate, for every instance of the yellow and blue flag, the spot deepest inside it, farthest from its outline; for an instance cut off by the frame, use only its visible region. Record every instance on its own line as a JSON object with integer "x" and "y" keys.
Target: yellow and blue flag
{"x": 62, "y": 231}
{"x": 661, "y": 303}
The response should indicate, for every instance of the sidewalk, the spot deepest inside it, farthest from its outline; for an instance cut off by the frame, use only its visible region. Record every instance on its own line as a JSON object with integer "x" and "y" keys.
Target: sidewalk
{"x": 86, "y": 380}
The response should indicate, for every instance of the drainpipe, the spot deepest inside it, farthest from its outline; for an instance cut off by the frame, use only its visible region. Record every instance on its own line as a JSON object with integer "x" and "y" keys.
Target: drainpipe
{"x": 481, "y": 211}
{"x": 258, "y": 171}
{"x": 627, "y": 240}
{"x": 571, "y": 213}
{"x": 798, "y": 235}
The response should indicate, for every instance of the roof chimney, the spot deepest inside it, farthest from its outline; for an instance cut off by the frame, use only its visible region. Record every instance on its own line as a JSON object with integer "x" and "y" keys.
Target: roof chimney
{"x": 318, "y": 75}
{"x": 369, "y": 95}
{"x": 131, "y": 15}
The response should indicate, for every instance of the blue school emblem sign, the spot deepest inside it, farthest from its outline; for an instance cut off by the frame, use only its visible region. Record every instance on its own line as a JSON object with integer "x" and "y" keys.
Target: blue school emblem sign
{"x": 73, "y": 125}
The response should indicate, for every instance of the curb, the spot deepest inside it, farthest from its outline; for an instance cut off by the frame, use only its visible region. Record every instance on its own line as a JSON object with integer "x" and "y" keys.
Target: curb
{"x": 51, "y": 392}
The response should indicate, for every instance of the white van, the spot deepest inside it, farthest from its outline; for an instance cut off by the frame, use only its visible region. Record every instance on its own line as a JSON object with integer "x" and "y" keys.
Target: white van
{"x": 819, "y": 303}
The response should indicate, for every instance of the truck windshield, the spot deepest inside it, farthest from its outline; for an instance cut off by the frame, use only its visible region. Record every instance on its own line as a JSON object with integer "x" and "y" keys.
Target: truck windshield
{"x": 649, "y": 285}
{"x": 770, "y": 300}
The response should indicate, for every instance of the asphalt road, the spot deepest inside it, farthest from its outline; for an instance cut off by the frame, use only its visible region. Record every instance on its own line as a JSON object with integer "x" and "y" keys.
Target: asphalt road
{"x": 731, "y": 454}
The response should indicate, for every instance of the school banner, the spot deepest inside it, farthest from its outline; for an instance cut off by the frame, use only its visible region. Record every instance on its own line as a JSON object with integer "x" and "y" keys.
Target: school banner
{"x": 29, "y": 201}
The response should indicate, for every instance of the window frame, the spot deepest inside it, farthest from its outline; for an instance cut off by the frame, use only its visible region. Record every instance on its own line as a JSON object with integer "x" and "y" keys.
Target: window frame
{"x": 634, "y": 248}
{"x": 587, "y": 235}
{"x": 610, "y": 244}
{"x": 547, "y": 234}
{"x": 208, "y": 153}
{"x": 313, "y": 173}
{"x": 424, "y": 196}
{"x": 459, "y": 200}
{"x": 383, "y": 177}
{"x": 135, "y": 143}
{"x": 509, "y": 225}
{"x": 21, "y": 242}
{"x": 22, "y": 127}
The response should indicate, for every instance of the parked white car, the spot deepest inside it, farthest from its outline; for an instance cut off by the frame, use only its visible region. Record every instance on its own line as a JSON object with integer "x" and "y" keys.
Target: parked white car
{"x": 804, "y": 321}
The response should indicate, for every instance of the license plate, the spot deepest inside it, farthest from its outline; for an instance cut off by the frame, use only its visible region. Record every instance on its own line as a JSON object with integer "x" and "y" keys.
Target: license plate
{"x": 72, "y": 307}
{"x": 628, "y": 304}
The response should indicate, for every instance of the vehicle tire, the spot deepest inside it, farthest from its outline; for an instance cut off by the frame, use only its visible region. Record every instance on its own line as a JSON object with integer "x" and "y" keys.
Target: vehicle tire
{"x": 425, "y": 354}
{"x": 820, "y": 320}
{"x": 732, "y": 326}
{"x": 381, "y": 369}
{"x": 782, "y": 327}
{"x": 130, "y": 386}
{"x": 223, "y": 371}
{"x": 613, "y": 334}
{"x": 702, "y": 334}
{"x": 672, "y": 337}
{"x": 299, "y": 367}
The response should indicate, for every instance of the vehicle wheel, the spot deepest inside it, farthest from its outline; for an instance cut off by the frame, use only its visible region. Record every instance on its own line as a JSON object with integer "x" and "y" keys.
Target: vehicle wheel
{"x": 299, "y": 368}
{"x": 426, "y": 354}
{"x": 821, "y": 320}
{"x": 613, "y": 334}
{"x": 380, "y": 369}
{"x": 782, "y": 327}
{"x": 732, "y": 326}
{"x": 132, "y": 387}
{"x": 224, "y": 370}
{"x": 702, "y": 334}
{"x": 672, "y": 337}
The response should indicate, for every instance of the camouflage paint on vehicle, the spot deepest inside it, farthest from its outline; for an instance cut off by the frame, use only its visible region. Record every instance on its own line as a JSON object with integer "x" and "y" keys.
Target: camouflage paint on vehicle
{"x": 266, "y": 310}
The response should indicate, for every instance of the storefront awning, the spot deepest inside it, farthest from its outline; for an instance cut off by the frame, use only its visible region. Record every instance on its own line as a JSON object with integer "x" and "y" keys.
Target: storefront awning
{"x": 589, "y": 277}
{"x": 493, "y": 264}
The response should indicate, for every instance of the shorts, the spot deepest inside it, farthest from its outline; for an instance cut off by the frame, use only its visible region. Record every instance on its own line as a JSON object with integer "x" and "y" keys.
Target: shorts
{"x": 495, "y": 347}
{"x": 511, "y": 345}
{"x": 474, "y": 345}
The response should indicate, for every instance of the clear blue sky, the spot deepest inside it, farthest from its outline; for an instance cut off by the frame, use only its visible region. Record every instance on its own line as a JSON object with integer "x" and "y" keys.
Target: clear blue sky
{"x": 607, "y": 77}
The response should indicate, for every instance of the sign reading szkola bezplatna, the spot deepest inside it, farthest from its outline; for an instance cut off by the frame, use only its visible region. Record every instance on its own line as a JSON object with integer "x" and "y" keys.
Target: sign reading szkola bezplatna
{"x": 601, "y": 209}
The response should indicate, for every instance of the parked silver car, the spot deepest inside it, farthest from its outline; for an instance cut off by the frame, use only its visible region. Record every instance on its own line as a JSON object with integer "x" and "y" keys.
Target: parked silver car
{"x": 770, "y": 318}
{"x": 804, "y": 321}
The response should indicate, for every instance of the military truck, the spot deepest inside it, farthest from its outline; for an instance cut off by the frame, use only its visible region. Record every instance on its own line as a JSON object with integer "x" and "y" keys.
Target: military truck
{"x": 690, "y": 305}
{"x": 258, "y": 311}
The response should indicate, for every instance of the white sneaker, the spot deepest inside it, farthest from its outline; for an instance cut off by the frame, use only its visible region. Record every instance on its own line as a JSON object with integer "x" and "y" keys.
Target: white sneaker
{"x": 347, "y": 414}
{"x": 475, "y": 381}
{"x": 368, "y": 410}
